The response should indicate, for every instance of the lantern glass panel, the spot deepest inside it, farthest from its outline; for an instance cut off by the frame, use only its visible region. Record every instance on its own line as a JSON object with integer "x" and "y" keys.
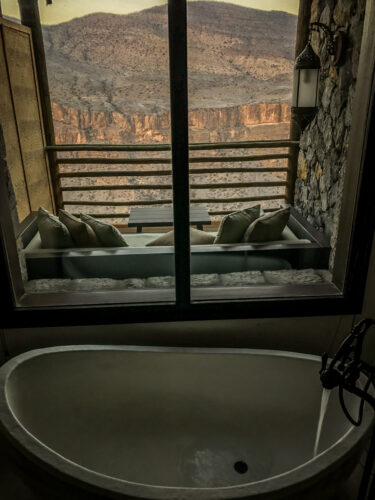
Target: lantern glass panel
{"x": 307, "y": 82}
{"x": 295, "y": 88}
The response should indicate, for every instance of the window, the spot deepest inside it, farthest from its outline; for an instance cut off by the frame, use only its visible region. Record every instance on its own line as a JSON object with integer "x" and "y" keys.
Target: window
{"x": 323, "y": 273}
{"x": 240, "y": 78}
{"x": 96, "y": 105}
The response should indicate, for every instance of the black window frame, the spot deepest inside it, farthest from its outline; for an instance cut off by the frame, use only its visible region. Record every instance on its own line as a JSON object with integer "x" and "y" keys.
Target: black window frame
{"x": 347, "y": 300}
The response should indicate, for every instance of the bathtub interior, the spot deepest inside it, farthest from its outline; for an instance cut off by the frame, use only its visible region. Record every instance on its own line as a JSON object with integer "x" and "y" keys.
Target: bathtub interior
{"x": 177, "y": 420}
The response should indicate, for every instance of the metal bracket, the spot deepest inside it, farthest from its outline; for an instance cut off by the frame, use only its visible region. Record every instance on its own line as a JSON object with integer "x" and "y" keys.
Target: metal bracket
{"x": 335, "y": 41}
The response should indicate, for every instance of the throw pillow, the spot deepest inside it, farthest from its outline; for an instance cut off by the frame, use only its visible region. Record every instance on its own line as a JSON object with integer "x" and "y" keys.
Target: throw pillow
{"x": 108, "y": 235}
{"x": 233, "y": 226}
{"x": 197, "y": 237}
{"x": 53, "y": 233}
{"x": 268, "y": 227}
{"x": 82, "y": 234}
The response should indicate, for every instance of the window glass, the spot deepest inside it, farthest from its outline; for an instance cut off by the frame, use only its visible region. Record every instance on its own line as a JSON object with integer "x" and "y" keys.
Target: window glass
{"x": 10, "y": 10}
{"x": 241, "y": 66}
{"x": 108, "y": 75}
{"x": 266, "y": 183}
{"x": 241, "y": 60}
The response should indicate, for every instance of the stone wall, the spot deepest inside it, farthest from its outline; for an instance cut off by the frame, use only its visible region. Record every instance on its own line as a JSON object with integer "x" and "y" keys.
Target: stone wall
{"x": 323, "y": 148}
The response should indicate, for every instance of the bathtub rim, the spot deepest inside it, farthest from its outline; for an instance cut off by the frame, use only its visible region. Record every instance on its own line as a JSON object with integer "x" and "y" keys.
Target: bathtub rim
{"x": 93, "y": 482}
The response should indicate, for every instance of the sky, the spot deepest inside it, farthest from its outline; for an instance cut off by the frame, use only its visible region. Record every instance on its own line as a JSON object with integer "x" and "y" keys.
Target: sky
{"x": 64, "y": 10}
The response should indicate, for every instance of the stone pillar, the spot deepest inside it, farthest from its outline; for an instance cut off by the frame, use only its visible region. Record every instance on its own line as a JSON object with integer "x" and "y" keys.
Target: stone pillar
{"x": 324, "y": 143}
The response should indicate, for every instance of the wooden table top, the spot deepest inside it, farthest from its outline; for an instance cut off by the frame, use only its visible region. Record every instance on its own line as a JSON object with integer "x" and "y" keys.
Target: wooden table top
{"x": 153, "y": 216}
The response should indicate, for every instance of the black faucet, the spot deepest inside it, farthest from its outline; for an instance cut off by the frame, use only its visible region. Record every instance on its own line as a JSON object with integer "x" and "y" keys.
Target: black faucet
{"x": 345, "y": 368}
{"x": 343, "y": 371}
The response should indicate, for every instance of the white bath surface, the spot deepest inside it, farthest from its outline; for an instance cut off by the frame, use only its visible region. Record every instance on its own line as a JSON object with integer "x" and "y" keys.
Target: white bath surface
{"x": 181, "y": 419}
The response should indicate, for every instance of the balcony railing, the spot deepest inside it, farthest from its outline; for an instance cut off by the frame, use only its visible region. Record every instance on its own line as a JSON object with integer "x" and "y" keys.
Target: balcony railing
{"x": 75, "y": 174}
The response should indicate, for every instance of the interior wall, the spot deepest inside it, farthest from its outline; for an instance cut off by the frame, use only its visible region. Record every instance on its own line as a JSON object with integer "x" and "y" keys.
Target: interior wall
{"x": 368, "y": 311}
{"x": 287, "y": 334}
{"x": 2, "y": 347}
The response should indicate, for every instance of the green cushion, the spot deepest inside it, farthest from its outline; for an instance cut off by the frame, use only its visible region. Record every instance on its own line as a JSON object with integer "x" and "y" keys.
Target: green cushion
{"x": 108, "y": 235}
{"x": 197, "y": 237}
{"x": 82, "y": 234}
{"x": 53, "y": 233}
{"x": 288, "y": 235}
{"x": 268, "y": 227}
{"x": 233, "y": 226}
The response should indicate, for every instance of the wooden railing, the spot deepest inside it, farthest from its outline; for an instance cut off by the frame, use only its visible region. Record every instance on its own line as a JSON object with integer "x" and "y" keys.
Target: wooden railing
{"x": 94, "y": 156}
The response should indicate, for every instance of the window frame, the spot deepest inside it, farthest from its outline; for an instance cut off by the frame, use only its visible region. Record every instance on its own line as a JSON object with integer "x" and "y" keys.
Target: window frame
{"x": 352, "y": 260}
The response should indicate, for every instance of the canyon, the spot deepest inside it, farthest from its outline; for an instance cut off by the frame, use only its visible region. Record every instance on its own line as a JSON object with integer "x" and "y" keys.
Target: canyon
{"x": 109, "y": 83}
{"x": 80, "y": 125}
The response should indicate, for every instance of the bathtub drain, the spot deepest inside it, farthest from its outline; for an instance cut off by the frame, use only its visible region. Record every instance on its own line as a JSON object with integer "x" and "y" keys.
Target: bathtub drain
{"x": 240, "y": 467}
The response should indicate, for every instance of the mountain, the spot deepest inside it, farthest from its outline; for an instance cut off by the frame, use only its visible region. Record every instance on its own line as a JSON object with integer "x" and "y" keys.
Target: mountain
{"x": 109, "y": 83}
{"x": 110, "y": 63}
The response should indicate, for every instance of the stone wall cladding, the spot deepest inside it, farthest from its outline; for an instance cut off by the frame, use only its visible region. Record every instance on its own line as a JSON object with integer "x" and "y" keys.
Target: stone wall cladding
{"x": 324, "y": 142}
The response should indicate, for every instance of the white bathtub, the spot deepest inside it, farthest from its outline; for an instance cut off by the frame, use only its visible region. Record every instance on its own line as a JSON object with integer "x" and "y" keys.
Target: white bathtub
{"x": 171, "y": 423}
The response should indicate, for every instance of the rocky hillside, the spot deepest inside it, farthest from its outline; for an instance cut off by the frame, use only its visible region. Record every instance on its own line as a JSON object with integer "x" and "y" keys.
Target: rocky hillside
{"x": 109, "y": 83}
{"x": 119, "y": 63}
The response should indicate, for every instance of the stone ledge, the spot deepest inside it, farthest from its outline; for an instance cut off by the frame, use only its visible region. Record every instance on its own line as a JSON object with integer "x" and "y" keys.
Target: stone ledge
{"x": 238, "y": 279}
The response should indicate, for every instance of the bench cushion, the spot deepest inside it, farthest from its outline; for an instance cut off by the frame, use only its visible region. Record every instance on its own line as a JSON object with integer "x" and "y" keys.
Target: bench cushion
{"x": 108, "y": 235}
{"x": 197, "y": 237}
{"x": 269, "y": 227}
{"x": 53, "y": 233}
{"x": 82, "y": 234}
{"x": 234, "y": 225}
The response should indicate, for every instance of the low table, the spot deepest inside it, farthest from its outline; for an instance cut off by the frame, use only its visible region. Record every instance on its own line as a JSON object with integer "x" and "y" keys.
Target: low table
{"x": 163, "y": 216}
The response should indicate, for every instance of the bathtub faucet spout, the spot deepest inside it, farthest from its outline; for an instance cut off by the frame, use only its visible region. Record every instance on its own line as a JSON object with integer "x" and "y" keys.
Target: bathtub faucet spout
{"x": 346, "y": 366}
{"x": 343, "y": 371}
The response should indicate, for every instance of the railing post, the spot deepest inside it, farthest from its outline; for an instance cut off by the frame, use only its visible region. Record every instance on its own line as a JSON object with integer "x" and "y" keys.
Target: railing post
{"x": 304, "y": 14}
{"x": 30, "y": 17}
{"x": 292, "y": 165}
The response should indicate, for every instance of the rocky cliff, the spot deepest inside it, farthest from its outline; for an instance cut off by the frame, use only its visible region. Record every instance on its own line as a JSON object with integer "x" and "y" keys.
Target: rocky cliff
{"x": 81, "y": 125}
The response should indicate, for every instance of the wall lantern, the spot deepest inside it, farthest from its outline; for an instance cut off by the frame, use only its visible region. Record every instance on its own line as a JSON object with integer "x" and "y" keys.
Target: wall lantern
{"x": 306, "y": 74}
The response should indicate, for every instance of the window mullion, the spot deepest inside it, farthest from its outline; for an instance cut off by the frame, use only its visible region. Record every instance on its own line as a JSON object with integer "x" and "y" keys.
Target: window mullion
{"x": 180, "y": 146}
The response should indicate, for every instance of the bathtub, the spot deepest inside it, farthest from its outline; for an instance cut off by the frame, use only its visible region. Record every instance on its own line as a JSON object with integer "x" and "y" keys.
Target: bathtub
{"x": 174, "y": 423}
